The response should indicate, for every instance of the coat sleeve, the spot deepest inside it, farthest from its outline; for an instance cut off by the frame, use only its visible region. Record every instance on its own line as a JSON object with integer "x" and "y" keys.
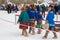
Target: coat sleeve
{"x": 50, "y": 16}
{"x": 20, "y": 17}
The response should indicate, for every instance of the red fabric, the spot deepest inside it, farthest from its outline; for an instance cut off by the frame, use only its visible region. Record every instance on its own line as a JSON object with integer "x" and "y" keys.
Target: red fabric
{"x": 23, "y": 25}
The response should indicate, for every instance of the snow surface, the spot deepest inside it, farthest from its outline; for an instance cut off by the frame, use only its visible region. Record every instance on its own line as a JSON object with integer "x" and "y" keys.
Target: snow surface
{"x": 11, "y": 31}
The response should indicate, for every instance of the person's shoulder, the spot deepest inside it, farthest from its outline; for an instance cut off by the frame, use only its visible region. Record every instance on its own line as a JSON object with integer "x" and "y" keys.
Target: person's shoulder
{"x": 23, "y": 11}
{"x": 51, "y": 11}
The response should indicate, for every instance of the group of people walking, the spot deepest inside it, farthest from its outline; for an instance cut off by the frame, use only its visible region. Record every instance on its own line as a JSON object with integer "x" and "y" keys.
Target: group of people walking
{"x": 31, "y": 14}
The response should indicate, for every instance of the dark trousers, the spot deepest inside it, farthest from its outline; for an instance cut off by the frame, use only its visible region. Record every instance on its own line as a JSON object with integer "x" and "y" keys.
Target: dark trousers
{"x": 9, "y": 11}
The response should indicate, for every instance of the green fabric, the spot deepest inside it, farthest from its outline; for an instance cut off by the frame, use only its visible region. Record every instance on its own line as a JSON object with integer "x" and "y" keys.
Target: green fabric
{"x": 23, "y": 17}
{"x": 38, "y": 25}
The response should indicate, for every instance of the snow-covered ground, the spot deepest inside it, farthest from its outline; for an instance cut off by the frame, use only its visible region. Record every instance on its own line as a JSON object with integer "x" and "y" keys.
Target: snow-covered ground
{"x": 11, "y": 31}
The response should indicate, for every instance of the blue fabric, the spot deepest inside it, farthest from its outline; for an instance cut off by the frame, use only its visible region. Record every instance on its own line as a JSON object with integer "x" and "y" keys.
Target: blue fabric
{"x": 39, "y": 16}
{"x": 31, "y": 13}
{"x": 28, "y": 10}
{"x": 58, "y": 7}
{"x": 50, "y": 18}
{"x": 34, "y": 14}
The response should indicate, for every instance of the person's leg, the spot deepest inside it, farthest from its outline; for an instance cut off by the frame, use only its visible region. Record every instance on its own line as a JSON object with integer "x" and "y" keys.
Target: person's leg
{"x": 30, "y": 27}
{"x": 46, "y": 34}
{"x": 10, "y": 10}
{"x": 30, "y": 30}
{"x": 39, "y": 23}
{"x": 33, "y": 32}
{"x": 55, "y": 35}
{"x": 39, "y": 31}
{"x": 25, "y": 31}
